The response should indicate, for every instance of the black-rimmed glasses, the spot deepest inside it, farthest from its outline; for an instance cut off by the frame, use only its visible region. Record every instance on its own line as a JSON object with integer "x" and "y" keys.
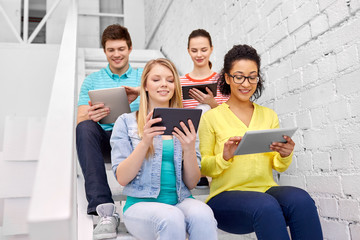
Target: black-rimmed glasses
{"x": 240, "y": 79}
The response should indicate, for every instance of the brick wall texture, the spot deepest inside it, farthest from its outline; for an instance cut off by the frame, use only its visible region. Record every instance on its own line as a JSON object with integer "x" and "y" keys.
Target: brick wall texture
{"x": 310, "y": 54}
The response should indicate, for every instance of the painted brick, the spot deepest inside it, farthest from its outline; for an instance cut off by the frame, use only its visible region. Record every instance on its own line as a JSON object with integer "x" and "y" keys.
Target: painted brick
{"x": 303, "y": 120}
{"x": 302, "y": 15}
{"x": 295, "y": 81}
{"x": 310, "y": 74}
{"x": 276, "y": 34}
{"x": 337, "y": 12}
{"x": 268, "y": 7}
{"x": 350, "y": 185}
{"x": 289, "y": 180}
{"x": 319, "y": 95}
{"x": 281, "y": 87}
{"x": 287, "y": 46}
{"x": 324, "y": 184}
{"x": 339, "y": 110}
{"x": 340, "y": 159}
{"x": 275, "y": 53}
{"x": 355, "y": 231}
{"x": 350, "y": 134}
{"x": 323, "y": 4}
{"x": 321, "y": 161}
{"x": 274, "y": 18}
{"x": 318, "y": 117}
{"x": 328, "y": 207}
{"x": 327, "y": 67}
{"x": 347, "y": 58}
{"x": 287, "y": 8}
{"x": 326, "y": 137}
{"x": 349, "y": 210}
{"x": 335, "y": 230}
{"x": 304, "y": 162}
{"x": 356, "y": 158}
{"x": 319, "y": 25}
{"x": 355, "y": 106}
{"x": 288, "y": 121}
{"x": 280, "y": 70}
{"x": 307, "y": 54}
{"x": 287, "y": 104}
{"x": 354, "y": 6}
{"x": 303, "y": 35}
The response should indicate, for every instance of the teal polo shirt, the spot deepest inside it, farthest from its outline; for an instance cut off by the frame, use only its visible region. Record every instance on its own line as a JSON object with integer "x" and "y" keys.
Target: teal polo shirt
{"x": 106, "y": 79}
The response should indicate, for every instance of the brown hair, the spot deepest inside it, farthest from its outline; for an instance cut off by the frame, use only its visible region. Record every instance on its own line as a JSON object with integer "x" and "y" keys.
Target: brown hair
{"x": 200, "y": 33}
{"x": 116, "y": 32}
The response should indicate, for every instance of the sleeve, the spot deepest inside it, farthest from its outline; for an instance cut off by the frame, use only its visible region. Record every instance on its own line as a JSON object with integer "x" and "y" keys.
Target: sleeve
{"x": 279, "y": 164}
{"x": 197, "y": 149}
{"x": 211, "y": 165}
{"x": 83, "y": 95}
{"x": 120, "y": 143}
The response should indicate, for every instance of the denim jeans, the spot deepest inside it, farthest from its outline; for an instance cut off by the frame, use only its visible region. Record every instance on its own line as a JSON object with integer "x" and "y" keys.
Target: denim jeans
{"x": 92, "y": 144}
{"x": 268, "y": 213}
{"x": 152, "y": 220}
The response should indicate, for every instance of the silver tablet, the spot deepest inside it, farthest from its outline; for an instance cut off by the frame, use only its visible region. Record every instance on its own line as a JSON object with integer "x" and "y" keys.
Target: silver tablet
{"x": 113, "y": 98}
{"x": 259, "y": 141}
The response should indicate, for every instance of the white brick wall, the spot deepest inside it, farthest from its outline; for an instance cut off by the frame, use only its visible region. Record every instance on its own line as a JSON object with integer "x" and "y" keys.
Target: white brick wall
{"x": 311, "y": 62}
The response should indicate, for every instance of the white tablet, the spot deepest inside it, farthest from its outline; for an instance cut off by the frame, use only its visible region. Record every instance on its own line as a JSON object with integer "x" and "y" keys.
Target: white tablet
{"x": 113, "y": 98}
{"x": 259, "y": 141}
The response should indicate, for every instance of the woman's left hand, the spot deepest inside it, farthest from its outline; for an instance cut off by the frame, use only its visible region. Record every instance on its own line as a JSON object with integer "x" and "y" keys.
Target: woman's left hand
{"x": 285, "y": 149}
{"x": 186, "y": 138}
{"x": 202, "y": 97}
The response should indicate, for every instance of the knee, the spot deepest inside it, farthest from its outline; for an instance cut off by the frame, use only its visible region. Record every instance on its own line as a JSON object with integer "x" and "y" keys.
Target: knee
{"x": 173, "y": 221}
{"x": 302, "y": 200}
{"x": 202, "y": 214}
{"x": 268, "y": 207}
{"x": 86, "y": 128}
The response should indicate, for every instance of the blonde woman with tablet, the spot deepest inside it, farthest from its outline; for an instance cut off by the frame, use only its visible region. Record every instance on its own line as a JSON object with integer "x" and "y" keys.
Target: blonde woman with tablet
{"x": 243, "y": 194}
{"x": 159, "y": 170}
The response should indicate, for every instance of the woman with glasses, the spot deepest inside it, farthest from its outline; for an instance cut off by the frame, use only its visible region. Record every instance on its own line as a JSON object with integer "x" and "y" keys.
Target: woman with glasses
{"x": 243, "y": 194}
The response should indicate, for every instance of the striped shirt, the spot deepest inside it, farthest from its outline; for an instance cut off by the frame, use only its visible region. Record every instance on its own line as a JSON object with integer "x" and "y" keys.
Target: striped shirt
{"x": 104, "y": 78}
{"x": 187, "y": 80}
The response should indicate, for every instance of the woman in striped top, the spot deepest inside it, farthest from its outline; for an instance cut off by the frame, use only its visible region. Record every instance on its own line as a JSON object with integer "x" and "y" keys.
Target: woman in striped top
{"x": 200, "y": 48}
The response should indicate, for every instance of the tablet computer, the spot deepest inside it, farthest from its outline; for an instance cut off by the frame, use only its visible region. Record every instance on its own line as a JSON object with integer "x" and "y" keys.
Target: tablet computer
{"x": 201, "y": 87}
{"x": 113, "y": 98}
{"x": 171, "y": 117}
{"x": 259, "y": 141}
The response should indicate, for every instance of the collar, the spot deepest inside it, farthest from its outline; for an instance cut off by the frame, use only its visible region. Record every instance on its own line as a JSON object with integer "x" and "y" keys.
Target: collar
{"x": 116, "y": 76}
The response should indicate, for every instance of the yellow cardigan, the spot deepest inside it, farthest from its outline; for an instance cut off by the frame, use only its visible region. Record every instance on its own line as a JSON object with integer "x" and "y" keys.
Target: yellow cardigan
{"x": 252, "y": 172}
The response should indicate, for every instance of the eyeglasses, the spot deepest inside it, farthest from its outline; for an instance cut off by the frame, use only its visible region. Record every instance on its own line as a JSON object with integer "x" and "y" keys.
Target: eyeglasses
{"x": 240, "y": 79}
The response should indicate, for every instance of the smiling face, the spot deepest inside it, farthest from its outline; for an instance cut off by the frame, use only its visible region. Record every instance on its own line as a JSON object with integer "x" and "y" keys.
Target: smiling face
{"x": 117, "y": 53}
{"x": 200, "y": 51}
{"x": 242, "y": 92}
{"x": 160, "y": 86}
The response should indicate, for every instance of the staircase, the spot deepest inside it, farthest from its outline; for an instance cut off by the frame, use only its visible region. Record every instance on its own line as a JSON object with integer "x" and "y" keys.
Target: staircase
{"x": 89, "y": 61}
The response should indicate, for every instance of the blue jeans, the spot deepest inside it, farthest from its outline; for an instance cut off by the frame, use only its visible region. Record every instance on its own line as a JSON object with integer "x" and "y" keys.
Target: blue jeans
{"x": 152, "y": 220}
{"x": 92, "y": 144}
{"x": 268, "y": 213}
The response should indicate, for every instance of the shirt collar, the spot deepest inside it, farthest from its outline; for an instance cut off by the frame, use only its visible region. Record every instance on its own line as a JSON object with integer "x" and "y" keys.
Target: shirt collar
{"x": 116, "y": 76}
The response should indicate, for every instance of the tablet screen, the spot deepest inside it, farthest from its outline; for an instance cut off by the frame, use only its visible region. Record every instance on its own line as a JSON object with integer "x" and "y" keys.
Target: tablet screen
{"x": 171, "y": 117}
{"x": 201, "y": 87}
{"x": 259, "y": 141}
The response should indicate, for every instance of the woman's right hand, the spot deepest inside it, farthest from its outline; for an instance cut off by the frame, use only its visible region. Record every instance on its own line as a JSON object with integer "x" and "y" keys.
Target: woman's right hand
{"x": 230, "y": 147}
{"x": 149, "y": 131}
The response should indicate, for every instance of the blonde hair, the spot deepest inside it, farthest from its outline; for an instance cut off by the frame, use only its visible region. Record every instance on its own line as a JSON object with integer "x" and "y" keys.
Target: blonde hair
{"x": 175, "y": 101}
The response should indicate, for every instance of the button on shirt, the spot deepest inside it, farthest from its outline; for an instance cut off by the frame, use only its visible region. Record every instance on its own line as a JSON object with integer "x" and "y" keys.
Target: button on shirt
{"x": 106, "y": 79}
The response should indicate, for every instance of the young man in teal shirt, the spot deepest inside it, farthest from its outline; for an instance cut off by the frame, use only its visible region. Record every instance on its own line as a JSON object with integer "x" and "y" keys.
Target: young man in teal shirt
{"x": 93, "y": 138}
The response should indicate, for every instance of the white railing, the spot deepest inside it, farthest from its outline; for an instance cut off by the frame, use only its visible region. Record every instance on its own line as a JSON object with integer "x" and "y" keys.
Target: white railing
{"x": 52, "y": 213}
{"x": 25, "y": 38}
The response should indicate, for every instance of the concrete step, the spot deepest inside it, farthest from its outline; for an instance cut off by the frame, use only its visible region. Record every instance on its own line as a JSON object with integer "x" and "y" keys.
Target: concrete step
{"x": 15, "y": 216}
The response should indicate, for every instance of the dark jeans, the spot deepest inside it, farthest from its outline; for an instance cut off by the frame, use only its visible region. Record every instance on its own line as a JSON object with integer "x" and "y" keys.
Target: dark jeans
{"x": 92, "y": 144}
{"x": 268, "y": 213}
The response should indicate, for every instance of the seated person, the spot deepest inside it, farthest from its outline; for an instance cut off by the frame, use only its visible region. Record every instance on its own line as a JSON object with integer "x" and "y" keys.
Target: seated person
{"x": 158, "y": 170}
{"x": 243, "y": 194}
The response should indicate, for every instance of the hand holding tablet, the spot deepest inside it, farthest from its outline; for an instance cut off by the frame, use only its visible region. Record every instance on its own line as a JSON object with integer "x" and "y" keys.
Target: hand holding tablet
{"x": 200, "y": 87}
{"x": 259, "y": 141}
{"x": 171, "y": 117}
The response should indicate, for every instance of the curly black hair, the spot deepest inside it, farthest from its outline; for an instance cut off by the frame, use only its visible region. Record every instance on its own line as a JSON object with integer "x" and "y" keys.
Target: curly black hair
{"x": 239, "y": 52}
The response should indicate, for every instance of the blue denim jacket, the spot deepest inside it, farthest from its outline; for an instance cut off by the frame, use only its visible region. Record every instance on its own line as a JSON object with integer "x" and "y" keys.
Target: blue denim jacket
{"x": 146, "y": 184}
